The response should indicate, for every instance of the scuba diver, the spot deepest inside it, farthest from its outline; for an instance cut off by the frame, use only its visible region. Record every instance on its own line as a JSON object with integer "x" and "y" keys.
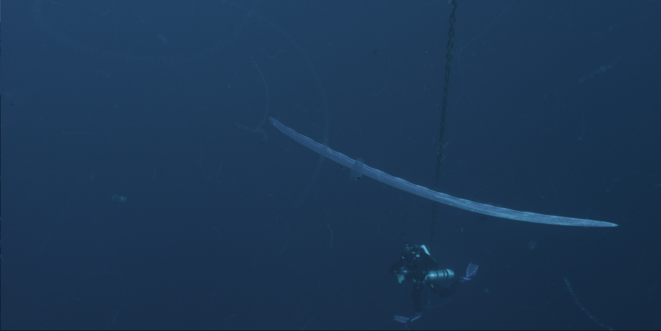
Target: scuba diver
{"x": 416, "y": 265}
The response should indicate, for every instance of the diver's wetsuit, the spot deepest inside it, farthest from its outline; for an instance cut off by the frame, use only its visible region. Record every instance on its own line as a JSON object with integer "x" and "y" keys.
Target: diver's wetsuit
{"x": 415, "y": 265}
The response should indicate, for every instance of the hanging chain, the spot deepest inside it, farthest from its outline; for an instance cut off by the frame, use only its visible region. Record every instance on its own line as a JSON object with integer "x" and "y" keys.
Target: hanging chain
{"x": 441, "y": 139}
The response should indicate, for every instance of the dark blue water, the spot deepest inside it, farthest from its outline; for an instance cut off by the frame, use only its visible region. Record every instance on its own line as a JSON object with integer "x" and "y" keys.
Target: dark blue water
{"x": 219, "y": 221}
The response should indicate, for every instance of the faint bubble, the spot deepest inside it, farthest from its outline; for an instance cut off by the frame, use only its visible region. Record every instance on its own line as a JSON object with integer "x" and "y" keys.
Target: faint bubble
{"x": 532, "y": 244}
{"x": 486, "y": 291}
{"x": 119, "y": 198}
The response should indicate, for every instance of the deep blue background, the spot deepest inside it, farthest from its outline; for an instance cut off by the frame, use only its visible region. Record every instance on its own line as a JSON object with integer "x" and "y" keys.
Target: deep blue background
{"x": 228, "y": 228}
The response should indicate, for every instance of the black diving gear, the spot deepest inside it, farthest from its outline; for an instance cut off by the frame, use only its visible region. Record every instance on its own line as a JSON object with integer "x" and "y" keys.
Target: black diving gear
{"x": 417, "y": 265}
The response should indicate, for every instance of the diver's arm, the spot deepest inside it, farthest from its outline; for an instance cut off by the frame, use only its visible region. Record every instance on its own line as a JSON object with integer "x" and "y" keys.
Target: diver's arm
{"x": 396, "y": 266}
